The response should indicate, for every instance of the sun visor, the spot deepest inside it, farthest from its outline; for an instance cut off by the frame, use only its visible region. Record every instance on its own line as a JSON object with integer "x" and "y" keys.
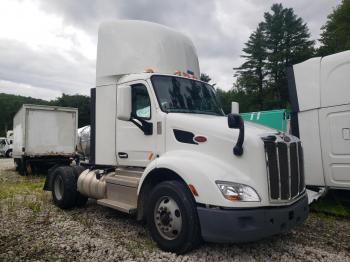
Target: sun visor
{"x": 127, "y": 46}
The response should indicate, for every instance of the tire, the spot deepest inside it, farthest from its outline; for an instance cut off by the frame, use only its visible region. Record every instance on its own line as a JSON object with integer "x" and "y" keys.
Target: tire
{"x": 23, "y": 167}
{"x": 81, "y": 200}
{"x": 170, "y": 202}
{"x": 17, "y": 163}
{"x": 9, "y": 153}
{"x": 64, "y": 187}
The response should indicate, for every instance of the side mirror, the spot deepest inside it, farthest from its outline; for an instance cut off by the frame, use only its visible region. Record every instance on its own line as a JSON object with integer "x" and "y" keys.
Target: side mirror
{"x": 124, "y": 103}
{"x": 234, "y": 108}
{"x": 236, "y": 121}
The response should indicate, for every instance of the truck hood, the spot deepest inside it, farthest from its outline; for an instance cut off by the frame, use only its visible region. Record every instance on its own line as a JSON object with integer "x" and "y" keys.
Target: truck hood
{"x": 214, "y": 126}
{"x": 249, "y": 169}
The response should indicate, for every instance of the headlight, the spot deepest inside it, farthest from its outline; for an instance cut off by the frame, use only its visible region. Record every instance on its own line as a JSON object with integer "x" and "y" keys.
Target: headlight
{"x": 238, "y": 192}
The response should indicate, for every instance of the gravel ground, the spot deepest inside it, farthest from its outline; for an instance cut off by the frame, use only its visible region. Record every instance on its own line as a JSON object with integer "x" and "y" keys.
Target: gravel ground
{"x": 32, "y": 228}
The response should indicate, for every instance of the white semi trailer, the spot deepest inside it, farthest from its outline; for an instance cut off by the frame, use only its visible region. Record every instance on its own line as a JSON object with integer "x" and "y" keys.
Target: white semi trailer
{"x": 162, "y": 149}
{"x": 43, "y": 137}
{"x": 320, "y": 99}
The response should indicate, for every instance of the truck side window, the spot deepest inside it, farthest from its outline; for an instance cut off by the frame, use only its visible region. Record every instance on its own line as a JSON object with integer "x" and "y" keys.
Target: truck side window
{"x": 141, "y": 103}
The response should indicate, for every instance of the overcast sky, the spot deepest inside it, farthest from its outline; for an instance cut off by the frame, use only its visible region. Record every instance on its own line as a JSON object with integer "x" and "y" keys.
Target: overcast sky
{"x": 49, "y": 47}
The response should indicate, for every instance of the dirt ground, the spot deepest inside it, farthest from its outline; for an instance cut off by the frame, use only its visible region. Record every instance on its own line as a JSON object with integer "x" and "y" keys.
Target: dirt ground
{"x": 32, "y": 228}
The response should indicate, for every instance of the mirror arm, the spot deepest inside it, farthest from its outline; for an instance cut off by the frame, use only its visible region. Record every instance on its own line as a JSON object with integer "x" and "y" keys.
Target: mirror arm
{"x": 145, "y": 126}
{"x": 238, "y": 149}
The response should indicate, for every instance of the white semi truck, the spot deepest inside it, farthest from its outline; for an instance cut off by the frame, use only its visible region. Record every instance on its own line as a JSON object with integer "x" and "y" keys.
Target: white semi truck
{"x": 163, "y": 150}
{"x": 320, "y": 100}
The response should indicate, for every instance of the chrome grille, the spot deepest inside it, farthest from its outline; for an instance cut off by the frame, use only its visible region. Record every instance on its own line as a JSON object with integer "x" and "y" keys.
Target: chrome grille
{"x": 285, "y": 167}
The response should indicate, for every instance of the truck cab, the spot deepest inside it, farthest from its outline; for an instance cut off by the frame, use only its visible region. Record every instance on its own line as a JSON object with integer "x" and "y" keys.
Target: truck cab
{"x": 162, "y": 149}
{"x": 6, "y": 146}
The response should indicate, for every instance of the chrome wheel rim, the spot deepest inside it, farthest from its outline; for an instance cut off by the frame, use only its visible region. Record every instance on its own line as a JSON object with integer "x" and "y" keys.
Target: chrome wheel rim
{"x": 58, "y": 187}
{"x": 168, "y": 218}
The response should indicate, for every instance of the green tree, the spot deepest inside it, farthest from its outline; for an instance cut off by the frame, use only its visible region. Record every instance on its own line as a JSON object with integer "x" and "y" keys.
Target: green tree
{"x": 78, "y": 101}
{"x": 280, "y": 40}
{"x": 251, "y": 74}
{"x": 246, "y": 101}
{"x": 335, "y": 36}
{"x": 287, "y": 42}
{"x": 205, "y": 78}
{"x": 10, "y": 104}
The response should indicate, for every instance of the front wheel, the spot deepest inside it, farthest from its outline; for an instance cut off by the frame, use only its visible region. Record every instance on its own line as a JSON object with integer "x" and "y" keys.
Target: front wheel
{"x": 172, "y": 217}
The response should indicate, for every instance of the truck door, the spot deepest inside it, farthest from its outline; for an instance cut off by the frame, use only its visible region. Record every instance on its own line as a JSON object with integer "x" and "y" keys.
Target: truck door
{"x": 133, "y": 147}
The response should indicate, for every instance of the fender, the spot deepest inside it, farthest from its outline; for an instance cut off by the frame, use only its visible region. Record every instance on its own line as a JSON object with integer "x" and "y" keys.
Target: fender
{"x": 201, "y": 171}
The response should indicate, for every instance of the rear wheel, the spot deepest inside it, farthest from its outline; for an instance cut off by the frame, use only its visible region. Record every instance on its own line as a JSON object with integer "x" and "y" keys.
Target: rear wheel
{"x": 17, "y": 163}
{"x": 64, "y": 187}
{"x": 23, "y": 166}
{"x": 172, "y": 217}
{"x": 9, "y": 153}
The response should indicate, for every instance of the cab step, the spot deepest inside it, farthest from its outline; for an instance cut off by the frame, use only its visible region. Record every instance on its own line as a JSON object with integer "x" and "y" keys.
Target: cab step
{"x": 121, "y": 189}
{"x": 128, "y": 181}
{"x": 129, "y": 171}
{"x": 120, "y": 206}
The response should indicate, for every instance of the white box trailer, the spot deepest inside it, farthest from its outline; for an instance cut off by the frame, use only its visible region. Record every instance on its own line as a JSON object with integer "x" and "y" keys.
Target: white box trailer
{"x": 43, "y": 136}
{"x": 162, "y": 148}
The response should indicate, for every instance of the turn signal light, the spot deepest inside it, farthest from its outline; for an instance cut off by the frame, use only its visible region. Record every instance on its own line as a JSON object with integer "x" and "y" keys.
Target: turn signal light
{"x": 193, "y": 189}
{"x": 233, "y": 198}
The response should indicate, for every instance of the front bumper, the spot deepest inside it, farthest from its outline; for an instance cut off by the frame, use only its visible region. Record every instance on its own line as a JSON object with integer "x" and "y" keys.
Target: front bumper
{"x": 246, "y": 225}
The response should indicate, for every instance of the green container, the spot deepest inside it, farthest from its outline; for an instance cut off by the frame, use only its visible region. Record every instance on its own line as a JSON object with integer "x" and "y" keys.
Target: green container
{"x": 276, "y": 119}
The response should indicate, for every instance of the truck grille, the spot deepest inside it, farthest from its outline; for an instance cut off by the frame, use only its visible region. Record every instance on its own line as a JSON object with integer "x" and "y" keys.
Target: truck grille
{"x": 285, "y": 167}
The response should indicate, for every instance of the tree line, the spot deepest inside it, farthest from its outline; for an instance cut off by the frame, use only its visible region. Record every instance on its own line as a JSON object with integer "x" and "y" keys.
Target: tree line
{"x": 282, "y": 39}
{"x": 10, "y": 104}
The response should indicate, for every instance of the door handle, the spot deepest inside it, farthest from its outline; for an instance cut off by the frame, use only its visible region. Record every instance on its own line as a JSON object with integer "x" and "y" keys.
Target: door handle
{"x": 122, "y": 155}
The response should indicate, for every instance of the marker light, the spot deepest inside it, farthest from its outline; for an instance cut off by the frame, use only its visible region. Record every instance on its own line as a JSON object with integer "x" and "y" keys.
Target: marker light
{"x": 149, "y": 70}
{"x": 193, "y": 189}
{"x": 200, "y": 139}
{"x": 238, "y": 192}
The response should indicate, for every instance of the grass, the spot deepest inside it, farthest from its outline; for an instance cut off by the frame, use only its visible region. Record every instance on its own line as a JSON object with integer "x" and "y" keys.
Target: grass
{"x": 21, "y": 192}
{"x": 333, "y": 204}
{"x": 26, "y": 185}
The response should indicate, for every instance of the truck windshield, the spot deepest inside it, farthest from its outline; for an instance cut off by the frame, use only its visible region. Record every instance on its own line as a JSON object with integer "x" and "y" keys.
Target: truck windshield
{"x": 181, "y": 95}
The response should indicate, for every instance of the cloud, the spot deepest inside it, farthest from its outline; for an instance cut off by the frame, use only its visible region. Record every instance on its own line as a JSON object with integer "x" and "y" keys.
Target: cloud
{"x": 16, "y": 88}
{"x": 45, "y": 68}
{"x": 52, "y": 44}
